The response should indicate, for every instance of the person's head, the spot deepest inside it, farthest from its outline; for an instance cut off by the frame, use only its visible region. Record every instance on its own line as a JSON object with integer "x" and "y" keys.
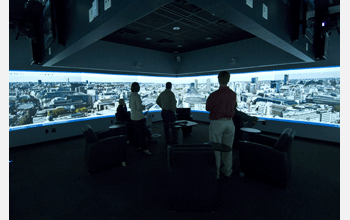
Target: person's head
{"x": 121, "y": 102}
{"x": 168, "y": 85}
{"x": 224, "y": 78}
{"x": 135, "y": 87}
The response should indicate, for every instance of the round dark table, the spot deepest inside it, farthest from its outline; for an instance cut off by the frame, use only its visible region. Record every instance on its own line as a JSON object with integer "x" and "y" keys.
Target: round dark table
{"x": 247, "y": 133}
{"x": 182, "y": 124}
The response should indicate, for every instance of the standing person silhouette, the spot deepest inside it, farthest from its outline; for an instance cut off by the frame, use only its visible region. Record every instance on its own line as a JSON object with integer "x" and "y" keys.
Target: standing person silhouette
{"x": 166, "y": 100}
{"x": 221, "y": 106}
{"x": 138, "y": 119}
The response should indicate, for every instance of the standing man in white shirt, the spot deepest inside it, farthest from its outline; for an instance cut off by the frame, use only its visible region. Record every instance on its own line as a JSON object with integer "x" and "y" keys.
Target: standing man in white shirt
{"x": 166, "y": 100}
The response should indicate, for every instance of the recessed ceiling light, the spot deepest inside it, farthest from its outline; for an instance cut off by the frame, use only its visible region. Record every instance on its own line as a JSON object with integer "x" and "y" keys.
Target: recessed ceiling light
{"x": 208, "y": 38}
{"x": 179, "y": 45}
{"x": 176, "y": 28}
{"x": 148, "y": 38}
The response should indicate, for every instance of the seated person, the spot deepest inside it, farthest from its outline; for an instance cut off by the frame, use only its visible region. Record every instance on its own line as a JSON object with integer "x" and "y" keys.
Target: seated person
{"x": 124, "y": 116}
{"x": 122, "y": 112}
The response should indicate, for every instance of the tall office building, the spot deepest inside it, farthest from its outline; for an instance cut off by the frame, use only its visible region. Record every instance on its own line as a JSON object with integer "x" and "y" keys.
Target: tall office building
{"x": 208, "y": 84}
{"x": 196, "y": 83}
{"x": 275, "y": 84}
{"x": 74, "y": 85}
{"x": 255, "y": 80}
{"x": 286, "y": 78}
{"x": 252, "y": 88}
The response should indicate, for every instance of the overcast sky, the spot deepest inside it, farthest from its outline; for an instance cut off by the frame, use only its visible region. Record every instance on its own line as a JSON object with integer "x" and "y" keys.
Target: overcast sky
{"x": 31, "y": 76}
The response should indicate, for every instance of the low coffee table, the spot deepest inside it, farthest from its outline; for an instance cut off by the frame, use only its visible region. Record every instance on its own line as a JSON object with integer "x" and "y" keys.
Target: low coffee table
{"x": 182, "y": 124}
{"x": 247, "y": 133}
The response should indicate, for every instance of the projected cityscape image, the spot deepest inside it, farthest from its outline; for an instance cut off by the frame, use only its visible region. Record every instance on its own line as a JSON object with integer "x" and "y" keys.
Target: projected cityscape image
{"x": 311, "y": 95}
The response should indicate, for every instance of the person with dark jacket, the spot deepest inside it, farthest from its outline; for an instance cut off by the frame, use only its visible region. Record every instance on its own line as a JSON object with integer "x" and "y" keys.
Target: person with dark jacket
{"x": 166, "y": 100}
{"x": 122, "y": 112}
{"x": 124, "y": 117}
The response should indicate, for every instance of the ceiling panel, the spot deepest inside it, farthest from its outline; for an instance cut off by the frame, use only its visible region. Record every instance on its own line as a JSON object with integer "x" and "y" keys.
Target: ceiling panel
{"x": 155, "y": 20}
{"x": 177, "y": 27}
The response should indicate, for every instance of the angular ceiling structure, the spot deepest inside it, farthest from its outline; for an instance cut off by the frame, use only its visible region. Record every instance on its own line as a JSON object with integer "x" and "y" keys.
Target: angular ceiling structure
{"x": 176, "y": 37}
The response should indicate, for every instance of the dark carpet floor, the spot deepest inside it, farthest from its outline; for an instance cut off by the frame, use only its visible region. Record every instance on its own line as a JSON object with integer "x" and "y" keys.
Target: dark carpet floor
{"x": 49, "y": 181}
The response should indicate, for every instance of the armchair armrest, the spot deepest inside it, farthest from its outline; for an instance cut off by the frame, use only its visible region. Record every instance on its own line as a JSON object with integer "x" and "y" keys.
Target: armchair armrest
{"x": 108, "y": 141}
{"x": 252, "y": 149}
{"x": 260, "y": 158}
{"x": 264, "y": 140}
{"x": 104, "y": 134}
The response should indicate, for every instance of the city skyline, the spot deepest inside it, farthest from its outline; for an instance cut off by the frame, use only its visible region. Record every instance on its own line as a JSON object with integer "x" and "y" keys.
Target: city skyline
{"x": 305, "y": 95}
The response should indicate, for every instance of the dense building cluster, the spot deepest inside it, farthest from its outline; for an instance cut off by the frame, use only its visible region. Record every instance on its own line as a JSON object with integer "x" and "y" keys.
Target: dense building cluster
{"x": 41, "y": 102}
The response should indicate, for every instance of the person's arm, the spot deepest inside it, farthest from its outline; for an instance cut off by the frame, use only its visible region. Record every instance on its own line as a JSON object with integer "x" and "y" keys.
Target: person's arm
{"x": 131, "y": 103}
{"x": 139, "y": 106}
{"x": 234, "y": 103}
{"x": 158, "y": 101}
{"x": 173, "y": 102}
{"x": 209, "y": 104}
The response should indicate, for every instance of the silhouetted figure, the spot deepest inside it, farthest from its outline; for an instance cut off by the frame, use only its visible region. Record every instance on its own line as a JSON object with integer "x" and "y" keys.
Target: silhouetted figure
{"x": 124, "y": 116}
{"x": 166, "y": 100}
{"x": 221, "y": 105}
{"x": 122, "y": 112}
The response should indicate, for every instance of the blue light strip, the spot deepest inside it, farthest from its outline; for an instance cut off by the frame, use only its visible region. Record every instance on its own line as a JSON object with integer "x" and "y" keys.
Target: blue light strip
{"x": 58, "y": 122}
{"x": 289, "y": 121}
{"x": 302, "y": 122}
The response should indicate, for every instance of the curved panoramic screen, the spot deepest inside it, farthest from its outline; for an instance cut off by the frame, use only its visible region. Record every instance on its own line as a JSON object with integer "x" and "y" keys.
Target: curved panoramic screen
{"x": 301, "y": 95}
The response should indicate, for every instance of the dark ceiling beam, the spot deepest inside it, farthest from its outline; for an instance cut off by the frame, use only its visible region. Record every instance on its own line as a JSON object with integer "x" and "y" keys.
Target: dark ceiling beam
{"x": 104, "y": 24}
{"x": 239, "y": 14}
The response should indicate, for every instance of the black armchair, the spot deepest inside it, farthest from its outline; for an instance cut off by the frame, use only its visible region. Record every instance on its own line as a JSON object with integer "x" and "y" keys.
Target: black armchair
{"x": 268, "y": 158}
{"x": 103, "y": 150}
{"x": 185, "y": 114}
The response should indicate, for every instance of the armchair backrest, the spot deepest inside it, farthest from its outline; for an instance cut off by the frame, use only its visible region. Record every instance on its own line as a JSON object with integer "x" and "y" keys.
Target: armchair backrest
{"x": 89, "y": 134}
{"x": 183, "y": 113}
{"x": 285, "y": 140}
